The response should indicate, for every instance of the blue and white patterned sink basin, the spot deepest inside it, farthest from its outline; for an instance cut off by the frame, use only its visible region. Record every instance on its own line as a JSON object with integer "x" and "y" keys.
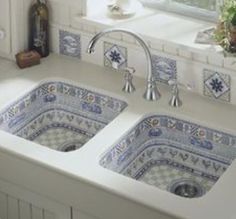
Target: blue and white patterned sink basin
{"x": 174, "y": 155}
{"x": 60, "y": 115}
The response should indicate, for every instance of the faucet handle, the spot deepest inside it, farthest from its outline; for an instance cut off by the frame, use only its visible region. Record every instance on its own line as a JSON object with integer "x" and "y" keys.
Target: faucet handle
{"x": 129, "y": 87}
{"x": 175, "y": 100}
{"x": 130, "y": 70}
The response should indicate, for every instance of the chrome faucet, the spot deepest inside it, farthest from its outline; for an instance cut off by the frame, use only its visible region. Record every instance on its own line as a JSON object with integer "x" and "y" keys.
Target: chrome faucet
{"x": 175, "y": 100}
{"x": 151, "y": 92}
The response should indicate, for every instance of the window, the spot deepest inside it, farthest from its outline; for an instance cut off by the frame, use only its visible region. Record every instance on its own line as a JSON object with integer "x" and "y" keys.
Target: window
{"x": 203, "y": 9}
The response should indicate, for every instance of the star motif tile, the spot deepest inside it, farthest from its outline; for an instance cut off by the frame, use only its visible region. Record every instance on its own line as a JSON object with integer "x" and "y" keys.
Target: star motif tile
{"x": 164, "y": 68}
{"x": 217, "y": 85}
{"x": 115, "y": 56}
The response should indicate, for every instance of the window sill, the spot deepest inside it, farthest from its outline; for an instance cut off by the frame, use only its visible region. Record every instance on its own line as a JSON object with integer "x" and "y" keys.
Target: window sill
{"x": 173, "y": 29}
{"x": 166, "y": 32}
{"x": 98, "y": 16}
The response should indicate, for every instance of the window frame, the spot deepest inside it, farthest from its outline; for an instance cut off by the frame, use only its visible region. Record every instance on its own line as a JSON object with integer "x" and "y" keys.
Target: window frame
{"x": 189, "y": 11}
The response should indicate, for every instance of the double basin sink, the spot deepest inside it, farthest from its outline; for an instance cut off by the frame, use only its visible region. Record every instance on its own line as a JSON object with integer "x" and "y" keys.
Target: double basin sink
{"x": 167, "y": 152}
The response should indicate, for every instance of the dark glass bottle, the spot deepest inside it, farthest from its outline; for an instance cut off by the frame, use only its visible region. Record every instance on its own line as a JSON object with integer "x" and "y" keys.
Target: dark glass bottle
{"x": 39, "y": 28}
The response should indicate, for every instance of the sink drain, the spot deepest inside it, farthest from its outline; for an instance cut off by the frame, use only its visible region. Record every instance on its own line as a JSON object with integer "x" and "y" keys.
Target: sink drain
{"x": 186, "y": 188}
{"x": 70, "y": 147}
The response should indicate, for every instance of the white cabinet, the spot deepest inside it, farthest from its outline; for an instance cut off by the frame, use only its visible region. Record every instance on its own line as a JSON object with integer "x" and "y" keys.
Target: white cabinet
{"x": 5, "y": 27}
{"x": 3, "y": 205}
{"x": 76, "y": 214}
{"x": 18, "y": 203}
{"x": 14, "y": 208}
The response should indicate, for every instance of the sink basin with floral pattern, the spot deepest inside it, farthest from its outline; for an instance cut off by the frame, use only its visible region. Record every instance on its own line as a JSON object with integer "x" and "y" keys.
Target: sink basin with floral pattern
{"x": 60, "y": 115}
{"x": 174, "y": 155}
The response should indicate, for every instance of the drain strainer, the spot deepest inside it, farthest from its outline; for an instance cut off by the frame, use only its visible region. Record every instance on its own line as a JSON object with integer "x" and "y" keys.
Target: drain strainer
{"x": 186, "y": 188}
{"x": 70, "y": 147}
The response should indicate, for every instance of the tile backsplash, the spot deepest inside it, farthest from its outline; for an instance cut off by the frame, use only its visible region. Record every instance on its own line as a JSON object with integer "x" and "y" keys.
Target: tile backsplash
{"x": 164, "y": 68}
{"x": 217, "y": 85}
{"x": 69, "y": 44}
{"x": 115, "y": 56}
{"x": 208, "y": 80}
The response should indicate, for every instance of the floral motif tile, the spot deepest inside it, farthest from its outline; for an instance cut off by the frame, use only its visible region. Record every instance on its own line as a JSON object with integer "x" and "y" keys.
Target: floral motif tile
{"x": 69, "y": 44}
{"x": 115, "y": 56}
{"x": 164, "y": 68}
{"x": 216, "y": 85}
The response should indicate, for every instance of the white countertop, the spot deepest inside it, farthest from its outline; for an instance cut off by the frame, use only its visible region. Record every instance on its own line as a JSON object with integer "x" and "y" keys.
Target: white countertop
{"x": 76, "y": 178}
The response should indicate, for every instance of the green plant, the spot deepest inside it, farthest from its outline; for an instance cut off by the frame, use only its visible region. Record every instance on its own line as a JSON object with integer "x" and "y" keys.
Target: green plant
{"x": 233, "y": 20}
{"x": 227, "y": 20}
{"x": 228, "y": 12}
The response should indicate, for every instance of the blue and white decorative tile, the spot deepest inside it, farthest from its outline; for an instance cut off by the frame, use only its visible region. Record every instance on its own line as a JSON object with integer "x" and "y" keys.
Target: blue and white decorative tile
{"x": 115, "y": 56}
{"x": 164, "y": 68}
{"x": 216, "y": 85}
{"x": 70, "y": 44}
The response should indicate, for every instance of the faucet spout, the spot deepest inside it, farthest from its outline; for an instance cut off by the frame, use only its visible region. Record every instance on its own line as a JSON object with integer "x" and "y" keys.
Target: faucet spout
{"x": 90, "y": 49}
{"x": 151, "y": 92}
